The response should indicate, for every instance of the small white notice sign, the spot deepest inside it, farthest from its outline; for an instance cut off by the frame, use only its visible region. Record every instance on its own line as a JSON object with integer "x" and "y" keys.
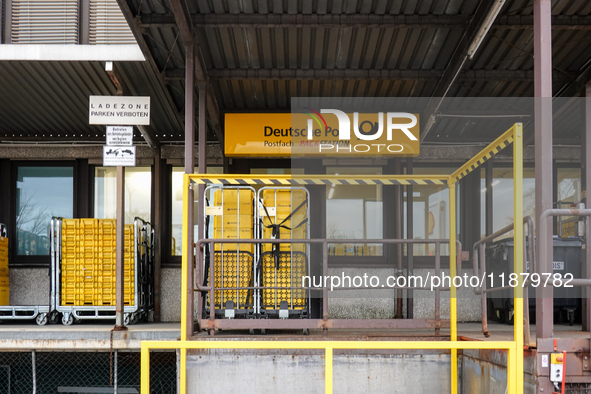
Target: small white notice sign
{"x": 544, "y": 361}
{"x": 120, "y": 135}
{"x": 119, "y": 156}
{"x": 119, "y": 110}
{"x": 558, "y": 265}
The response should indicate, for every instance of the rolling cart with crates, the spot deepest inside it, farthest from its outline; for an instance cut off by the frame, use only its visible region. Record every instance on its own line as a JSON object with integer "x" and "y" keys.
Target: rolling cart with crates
{"x": 84, "y": 271}
{"x": 40, "y": 313}
{"x": 282, "y": 213}
{"x": 231, "y": 216}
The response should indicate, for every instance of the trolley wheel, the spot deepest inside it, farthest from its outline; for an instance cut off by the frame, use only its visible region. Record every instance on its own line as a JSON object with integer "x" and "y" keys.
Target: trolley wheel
{"x": 67, "y": 319}
{"x": 135, "y": 318}
{"x": 251, "y": 331}
{"x": 127, "y": 319}
{"x": 305, "y": 331}
{"x": 53, "y": 317}
{"x": 263, "y": 331}
{"x": 509, "y": 320}
{"x": 41, "y": 319}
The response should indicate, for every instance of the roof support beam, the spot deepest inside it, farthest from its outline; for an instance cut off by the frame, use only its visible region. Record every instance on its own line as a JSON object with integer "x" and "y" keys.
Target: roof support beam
{"x": 182, "y": 18}
{"x": 559, "y": 22}
{"x": 339, "y": 74}
{"x": 139, "y": 38}
{"x": 474, "y": 29}
{"x": 186, "y": 28}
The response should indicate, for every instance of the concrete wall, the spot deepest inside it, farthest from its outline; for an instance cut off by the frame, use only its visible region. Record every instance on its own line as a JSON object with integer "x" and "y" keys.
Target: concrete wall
{"x": 485, "y": 372}
{"x": 380, "y": 303}
{"x": 232, "y": 372}
{"x": 29, "y": 286}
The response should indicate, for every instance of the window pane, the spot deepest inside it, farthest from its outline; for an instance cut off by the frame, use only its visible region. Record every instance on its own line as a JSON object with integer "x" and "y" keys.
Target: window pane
{"x": 503, "y": 196}
{"x": 363, "y": 218}
{"x": 430, "y": 212}
{"x": 138, "y": 185}
{"x": 569, "y": 195}
{"x": 177, "y": 208}
{"x": 41, "y": 192}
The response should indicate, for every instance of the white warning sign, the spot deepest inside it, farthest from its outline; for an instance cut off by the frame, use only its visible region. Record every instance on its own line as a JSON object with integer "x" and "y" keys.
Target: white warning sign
{"x": 120, "y": 135}
{"x": 118, "y": 156}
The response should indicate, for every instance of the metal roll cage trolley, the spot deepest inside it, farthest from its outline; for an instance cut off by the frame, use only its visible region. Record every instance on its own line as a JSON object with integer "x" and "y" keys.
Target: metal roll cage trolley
{"x": 194, "y": 280}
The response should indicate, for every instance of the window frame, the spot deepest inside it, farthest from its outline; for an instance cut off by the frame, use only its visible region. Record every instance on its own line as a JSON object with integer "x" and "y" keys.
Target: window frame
{"x": 37, "y": 261}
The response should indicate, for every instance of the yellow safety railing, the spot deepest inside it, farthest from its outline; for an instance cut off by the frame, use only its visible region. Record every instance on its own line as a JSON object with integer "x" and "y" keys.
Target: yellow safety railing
{"x": 515, "y": 348}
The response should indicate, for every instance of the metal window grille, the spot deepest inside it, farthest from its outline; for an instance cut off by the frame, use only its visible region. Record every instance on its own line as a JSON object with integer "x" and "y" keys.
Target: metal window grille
{"x": 107, "y": 24}
{"x": 45, "y": 21}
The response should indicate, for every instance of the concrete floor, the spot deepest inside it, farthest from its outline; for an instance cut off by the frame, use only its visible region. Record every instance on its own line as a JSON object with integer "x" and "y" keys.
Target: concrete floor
{"x": 93, "y": 335}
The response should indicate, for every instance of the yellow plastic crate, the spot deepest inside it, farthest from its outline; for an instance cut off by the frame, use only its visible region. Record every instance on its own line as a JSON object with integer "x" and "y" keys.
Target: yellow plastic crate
{"x": 229, "y": 272}
{"x": 4, "y": 262}
{"x": 3, "y": 242}
{"x": 89, "y": 226}
{"x": 283, "y": 276}
{"x": 4, "y": 295}
{"x": 233, "y": 196}
{"x": 3, "y": 266}
{"x": 228, "y": 222}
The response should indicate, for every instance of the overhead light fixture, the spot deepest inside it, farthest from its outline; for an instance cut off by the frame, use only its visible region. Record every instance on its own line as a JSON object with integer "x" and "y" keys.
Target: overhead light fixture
{"x": 485, "y": 27}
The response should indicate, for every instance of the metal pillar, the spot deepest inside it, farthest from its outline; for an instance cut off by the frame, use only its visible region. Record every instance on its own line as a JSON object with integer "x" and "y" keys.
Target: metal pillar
{"x": 34, "y": 371}
{"x": 119, "y": 290}
{"x": 586, "y": 183}
{"x": 409, "y": 235}
{"x": 488, "y": 198}
{"x": 158, "y": 211}
{"x": 398, "y": 235}
{"x": 189, "y": 169}
{"x": 543, "y": 157}
{"x": 202, "y": 163}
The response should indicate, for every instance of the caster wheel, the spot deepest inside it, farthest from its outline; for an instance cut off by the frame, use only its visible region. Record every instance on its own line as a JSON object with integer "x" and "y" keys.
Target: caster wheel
{"x": 67, "y": 319}
{"x": 263, "y": 331}
{"x": 41, "y": 319}
{"x": 127, "y": 319}
{"x": 53, "y": 318}
{"x": 251, "y": 331}
{"x": 509, "y": 320}
{"x": 305, "y": 331}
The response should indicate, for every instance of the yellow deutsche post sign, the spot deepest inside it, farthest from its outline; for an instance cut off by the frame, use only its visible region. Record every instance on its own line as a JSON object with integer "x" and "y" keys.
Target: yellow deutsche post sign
{"x": 327, "y": 133}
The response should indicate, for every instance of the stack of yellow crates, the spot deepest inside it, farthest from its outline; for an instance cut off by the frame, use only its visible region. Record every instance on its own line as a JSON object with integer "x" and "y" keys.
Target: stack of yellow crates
{"x": 236, "y": 219}
{"x": 4, "y": 284}
{"x": 283, "y": 202}
{"x": 234, "y": 262}
{"x": 88, "y": 262}
{"x": 291, "y": 257}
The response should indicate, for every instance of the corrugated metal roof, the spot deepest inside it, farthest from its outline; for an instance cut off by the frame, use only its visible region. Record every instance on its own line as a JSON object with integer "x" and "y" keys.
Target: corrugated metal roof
{"x": 236, "y": 53}
{"x": 259, "y": 58}
{"x": 49, "y": 100}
